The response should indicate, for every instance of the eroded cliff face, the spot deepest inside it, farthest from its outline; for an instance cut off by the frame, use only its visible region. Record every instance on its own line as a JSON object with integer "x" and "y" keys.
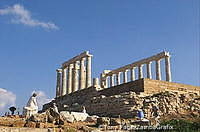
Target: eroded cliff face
{"x": 127, "y": 104}
{"x": 125, "y": 99}
{"x": 163, "y": 106}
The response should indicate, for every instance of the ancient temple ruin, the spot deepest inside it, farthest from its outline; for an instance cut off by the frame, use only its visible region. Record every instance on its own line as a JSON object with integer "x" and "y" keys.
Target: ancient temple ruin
{"x": 114, "y": 75}
{"x": 75, "y": 87}
{"x": 75, "y": 74}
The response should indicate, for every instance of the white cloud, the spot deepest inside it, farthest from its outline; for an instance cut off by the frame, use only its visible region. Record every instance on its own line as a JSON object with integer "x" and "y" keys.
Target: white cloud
{"x": 22, "y": 16}
{"x": 41, "y": 98}
{"x": 7, "y": 99}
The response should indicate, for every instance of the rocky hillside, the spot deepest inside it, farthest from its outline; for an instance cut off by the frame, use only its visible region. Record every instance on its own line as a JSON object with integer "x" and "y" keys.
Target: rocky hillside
{"x": 116, "y": 111}
{"x": 127, "y": 104}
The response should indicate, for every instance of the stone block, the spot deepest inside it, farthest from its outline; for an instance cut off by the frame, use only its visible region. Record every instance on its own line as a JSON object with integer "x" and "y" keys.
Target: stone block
{"x": 67, "y": 116}
{"x": 79, "y": 116}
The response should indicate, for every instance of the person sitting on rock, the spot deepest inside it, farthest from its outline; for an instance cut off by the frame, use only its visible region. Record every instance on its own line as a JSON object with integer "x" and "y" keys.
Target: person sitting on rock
{"x": 31, "y": 107}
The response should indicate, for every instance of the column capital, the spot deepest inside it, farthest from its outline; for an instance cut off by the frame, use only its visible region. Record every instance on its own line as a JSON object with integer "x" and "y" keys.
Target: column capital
{"x": 75, "y": 63}
{"x": 141, "y": 65}
{"x": 70, "y": 66}
{"x": 168, "y": 57}
{"x": 149, "y": 62}
{"x": 132, "y": 68}
{"x": 167, "y": 54}
{"x": 158, "y": 59}
{"x": 83, "y": 59}
{"x": 88, "y": 58}
{"x": 76, "y": 67}
{"x": 59, "y": 70}
{"x": 125, "y": 70}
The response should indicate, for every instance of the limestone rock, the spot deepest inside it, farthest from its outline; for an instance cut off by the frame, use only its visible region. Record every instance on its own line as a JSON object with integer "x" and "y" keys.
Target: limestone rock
{"x": 103, "y": 121}
{"x": 85, "y": 129}
{"x": 30, "y": 124}
{"x": 79, "y": 116}
{"x": 18, "y": 123}
{"x": 40, "y": 125}
{"x": 67, "y": 116}
{"x": 42, "y": 117}
{"x": 127, "y": 104}
{"x": 92, "y": 118}
{"x": 115, "y": 121}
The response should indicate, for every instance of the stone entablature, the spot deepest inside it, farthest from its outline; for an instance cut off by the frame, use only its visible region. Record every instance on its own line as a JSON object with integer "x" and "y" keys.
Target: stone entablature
{"x": 75, "y": 74}
{"x": 113, "y": 77}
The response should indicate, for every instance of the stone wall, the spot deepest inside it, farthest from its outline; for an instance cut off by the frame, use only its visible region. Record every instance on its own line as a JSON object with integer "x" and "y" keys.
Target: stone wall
{"x": 113, "y": 106}
{"x": 154, "y": 86}
{"x": 86, "y": 94}
{"x": 134, "y": 86}
{"x": 76, "y": 97}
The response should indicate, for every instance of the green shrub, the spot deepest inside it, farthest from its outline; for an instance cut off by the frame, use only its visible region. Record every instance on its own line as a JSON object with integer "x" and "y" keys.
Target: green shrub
{"x": 183, "y": 125}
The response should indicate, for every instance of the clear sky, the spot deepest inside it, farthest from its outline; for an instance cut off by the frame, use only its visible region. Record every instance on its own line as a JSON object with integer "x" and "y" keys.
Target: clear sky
{"x": 36, "y": 36}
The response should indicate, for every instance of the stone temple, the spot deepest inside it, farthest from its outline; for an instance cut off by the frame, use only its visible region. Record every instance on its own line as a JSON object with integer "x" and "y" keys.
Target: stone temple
{"x": 103, "y": 96}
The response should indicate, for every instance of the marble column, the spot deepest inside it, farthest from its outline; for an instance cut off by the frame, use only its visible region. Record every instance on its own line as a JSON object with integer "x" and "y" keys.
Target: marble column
{"x": 102, "y": 81}
{"x": 118, "y": 78}
{"x": 140, "y": 72}
{"x": 75, "y": 78}
{"x": 82, "y": 74}
{"x": 88, "y": 72}
{"x": 125, "y": 76}
{"x": 132, "y": 70}
{"x": 106, "y": 82}
{"x": 112, "y": 81}
{"x": 158, "y": 71}
{"x": 168, "y": 69}
{"x": 59, "y": 82}
{"x": 96, "y": 82}
{"x": 149, "y": 70}
{"x": 69, "y": 79}
{"x": 64, "y": 81}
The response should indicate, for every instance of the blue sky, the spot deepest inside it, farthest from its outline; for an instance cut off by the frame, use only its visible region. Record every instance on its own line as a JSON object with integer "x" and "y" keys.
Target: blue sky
{"x": 116, "y": 32}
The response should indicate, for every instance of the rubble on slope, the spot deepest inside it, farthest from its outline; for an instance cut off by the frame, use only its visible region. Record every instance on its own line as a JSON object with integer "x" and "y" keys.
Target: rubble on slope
{"x": 165, "y": 105}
